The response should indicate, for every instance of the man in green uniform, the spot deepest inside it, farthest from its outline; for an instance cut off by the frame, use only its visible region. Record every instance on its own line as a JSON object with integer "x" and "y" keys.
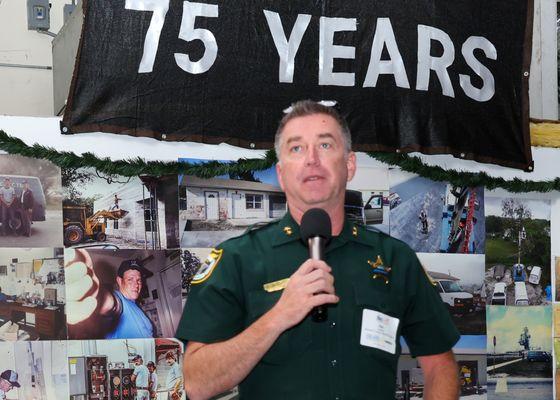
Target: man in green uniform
{"x": 246, "y": 323}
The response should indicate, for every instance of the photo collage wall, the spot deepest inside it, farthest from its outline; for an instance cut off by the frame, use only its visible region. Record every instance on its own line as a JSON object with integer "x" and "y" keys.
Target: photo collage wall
{"x": 95, "y": 270}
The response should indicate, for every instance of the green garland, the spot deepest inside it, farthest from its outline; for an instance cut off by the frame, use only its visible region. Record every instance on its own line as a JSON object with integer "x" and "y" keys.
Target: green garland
{"x": 138, "y": 166}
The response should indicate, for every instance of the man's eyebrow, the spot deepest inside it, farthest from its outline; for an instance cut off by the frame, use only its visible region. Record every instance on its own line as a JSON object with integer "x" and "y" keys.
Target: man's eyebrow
{"x": 293, "y": 139}
{"x": 326, "y": 135}
{"x": 321, "y": 136}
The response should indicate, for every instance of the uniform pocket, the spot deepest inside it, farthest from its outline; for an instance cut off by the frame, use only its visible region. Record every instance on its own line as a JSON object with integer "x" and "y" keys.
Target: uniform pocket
{"x": 367, "y": 296}
{"x": 292, "y": 343}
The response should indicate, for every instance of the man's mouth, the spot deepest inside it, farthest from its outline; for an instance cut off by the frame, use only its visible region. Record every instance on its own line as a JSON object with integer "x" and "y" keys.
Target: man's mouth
{"x": 313, "y": 178}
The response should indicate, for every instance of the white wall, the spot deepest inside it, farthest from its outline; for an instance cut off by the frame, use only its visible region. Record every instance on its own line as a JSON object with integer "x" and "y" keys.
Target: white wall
{"x": 25, "y": 91}
{"x": 543, "y": 81}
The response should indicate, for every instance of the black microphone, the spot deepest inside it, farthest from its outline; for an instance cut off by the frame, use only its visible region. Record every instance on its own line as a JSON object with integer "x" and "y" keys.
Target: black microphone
{"x": 316, "y": 232}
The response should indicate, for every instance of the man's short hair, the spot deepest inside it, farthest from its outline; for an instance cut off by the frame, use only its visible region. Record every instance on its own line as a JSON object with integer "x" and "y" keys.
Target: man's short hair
{"x": 304, "y": 108}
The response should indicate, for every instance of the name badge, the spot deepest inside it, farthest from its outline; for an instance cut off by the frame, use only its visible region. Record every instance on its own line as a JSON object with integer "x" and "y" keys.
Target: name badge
{"x": 276, "y": 286}
{"x": 379, "y": 331}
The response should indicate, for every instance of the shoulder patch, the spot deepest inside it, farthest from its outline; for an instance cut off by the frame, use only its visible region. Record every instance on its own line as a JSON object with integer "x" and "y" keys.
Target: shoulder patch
{"x": 207, "y": 266}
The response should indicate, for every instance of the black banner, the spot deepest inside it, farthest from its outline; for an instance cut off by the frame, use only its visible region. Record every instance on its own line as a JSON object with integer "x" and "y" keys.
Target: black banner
{"x": 435, "y": 76}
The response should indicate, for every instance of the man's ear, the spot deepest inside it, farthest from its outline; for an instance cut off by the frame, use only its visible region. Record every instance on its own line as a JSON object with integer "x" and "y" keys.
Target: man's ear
{"x": 351, "y": 165}
{"x": 279, "y": 175}
{"x": 119, "y": 281}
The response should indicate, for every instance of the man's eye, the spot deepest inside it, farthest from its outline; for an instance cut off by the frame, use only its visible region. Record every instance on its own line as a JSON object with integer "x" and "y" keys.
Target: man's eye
{"x": 295, "y": 149}
{"x": 326, "y": 145}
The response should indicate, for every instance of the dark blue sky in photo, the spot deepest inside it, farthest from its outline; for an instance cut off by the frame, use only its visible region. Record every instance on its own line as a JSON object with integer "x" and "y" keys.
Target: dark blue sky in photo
{"x": 266, "y": 176}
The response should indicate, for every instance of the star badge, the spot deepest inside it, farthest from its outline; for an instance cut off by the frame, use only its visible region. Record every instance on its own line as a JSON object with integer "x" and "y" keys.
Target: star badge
{"x": 380, "y": 270}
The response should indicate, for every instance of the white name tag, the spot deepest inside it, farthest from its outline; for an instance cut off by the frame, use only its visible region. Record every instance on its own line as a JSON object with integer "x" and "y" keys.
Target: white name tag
{"x": 379, "y": 331}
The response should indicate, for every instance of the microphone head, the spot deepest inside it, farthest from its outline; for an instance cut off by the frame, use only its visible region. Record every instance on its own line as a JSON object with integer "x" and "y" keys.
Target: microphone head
{"x": 316, "y": 222}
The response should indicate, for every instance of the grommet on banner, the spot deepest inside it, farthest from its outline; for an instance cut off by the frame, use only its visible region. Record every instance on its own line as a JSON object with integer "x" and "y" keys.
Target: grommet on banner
{"x": 64, "y": 129}
{"x": 526, "y": 73}
{"x": 164, "y": 136}
{"x": 398, "y": 150}
{"x": 462, "y": 155}
{"x": 252, "y": 145}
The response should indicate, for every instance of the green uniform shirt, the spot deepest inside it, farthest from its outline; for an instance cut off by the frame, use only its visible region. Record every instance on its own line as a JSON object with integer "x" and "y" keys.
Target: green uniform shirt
{"x": 319, "y": 360}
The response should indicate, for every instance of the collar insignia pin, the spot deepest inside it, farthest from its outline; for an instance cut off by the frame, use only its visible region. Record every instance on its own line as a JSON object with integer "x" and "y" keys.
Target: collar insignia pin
{"x": 354, "y": 231}
{"x": 288, "y": 230}
{"x": 380, "y": 270}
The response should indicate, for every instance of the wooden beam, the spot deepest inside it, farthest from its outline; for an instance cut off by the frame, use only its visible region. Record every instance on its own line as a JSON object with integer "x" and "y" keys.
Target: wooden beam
{"x": 545, "y": 133}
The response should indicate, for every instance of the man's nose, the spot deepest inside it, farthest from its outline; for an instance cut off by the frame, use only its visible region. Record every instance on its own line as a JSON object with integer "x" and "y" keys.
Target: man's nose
{"x": 312, "y": 156}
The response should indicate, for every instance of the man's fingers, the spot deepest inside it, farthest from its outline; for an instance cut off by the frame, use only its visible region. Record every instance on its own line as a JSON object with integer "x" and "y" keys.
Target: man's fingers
{"x": 323, "y": 298}
{"x": 77, "y": 311}
{"x": 317, "y": 274}
{"x": 78, "y": 289}
{"x": 321, "y": 285}
{"x": 311, "y": 265}
{"x": 75, "y": 272}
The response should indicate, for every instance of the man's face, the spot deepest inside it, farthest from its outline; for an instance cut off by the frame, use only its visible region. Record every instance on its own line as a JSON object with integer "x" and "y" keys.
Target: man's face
{"x": 7, "y": 183}
{"x": 130, "y": 284}
{"x": 26, "y": 186}
{"x": 170, "y": 361}
{"x": 151, "y": 368}
{"x": 5, "y": 385}
{"x": 138, "y": 362}
{"x": 313, "y": 166}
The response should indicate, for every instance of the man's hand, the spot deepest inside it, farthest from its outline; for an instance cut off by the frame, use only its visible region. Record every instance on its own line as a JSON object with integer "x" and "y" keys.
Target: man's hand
{"x": 82, "y": 286}
{"x": 310, "y": 286}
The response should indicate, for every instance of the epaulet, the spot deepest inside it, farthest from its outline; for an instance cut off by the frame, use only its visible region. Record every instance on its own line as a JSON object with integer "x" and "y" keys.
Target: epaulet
{"x": 371, "y": 228}
{"x": 260, "y": 225}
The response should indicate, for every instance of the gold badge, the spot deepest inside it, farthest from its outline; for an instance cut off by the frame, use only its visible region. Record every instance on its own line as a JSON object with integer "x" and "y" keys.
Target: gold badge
{"x": 207, "y": 267}
{"x": 288, "y": 230}
{"x": 354, "y": 231}
{"x": 276, "y": 286}
{"x": 380, "y": 270}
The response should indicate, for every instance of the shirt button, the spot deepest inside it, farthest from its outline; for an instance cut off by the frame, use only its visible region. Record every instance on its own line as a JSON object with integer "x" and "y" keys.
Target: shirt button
{"x": 333, "y": 324}
{"x": 333, "y": 363}
{"x": 337, "y": 398}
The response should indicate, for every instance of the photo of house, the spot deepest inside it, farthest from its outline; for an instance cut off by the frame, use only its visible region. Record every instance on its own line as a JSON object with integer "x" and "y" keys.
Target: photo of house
{"x": 216, "y": 209}
{"x": 121, "y": 212}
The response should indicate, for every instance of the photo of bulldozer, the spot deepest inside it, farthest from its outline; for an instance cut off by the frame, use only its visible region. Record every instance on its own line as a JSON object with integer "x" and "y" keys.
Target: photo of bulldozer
{"x": 78, "y": 227}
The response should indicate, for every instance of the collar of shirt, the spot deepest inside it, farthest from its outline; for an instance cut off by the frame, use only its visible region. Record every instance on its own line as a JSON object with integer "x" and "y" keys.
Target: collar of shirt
{"x": 287, "y": 231}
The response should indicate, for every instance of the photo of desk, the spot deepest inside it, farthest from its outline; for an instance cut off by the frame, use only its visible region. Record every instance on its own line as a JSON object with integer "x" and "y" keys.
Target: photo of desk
{"x": 49, "y": 323}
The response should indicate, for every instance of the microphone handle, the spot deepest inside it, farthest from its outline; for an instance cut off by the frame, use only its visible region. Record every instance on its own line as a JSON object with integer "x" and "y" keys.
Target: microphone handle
{"x": 317, "y": 252}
